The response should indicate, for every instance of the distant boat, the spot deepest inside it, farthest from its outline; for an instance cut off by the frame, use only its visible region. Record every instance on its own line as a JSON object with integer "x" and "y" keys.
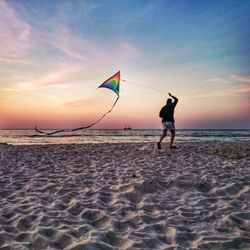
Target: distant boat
{"x": 127, "y": 128}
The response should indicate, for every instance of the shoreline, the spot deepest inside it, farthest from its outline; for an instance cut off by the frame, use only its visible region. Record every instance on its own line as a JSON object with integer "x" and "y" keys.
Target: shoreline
{"x": 125, "y": 196}
{"x": 121, "y": 136}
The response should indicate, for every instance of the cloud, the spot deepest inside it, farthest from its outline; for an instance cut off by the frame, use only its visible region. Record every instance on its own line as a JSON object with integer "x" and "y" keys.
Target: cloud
{"x": 244, "y": 81}
{"x": 79, "y": 103}
{"x": 231, "y": 79}
{"x": 17, "y": 89}
{"x": 52, "y": 56}
{"x": 240, "y": 78}
{"x": 86, "y": 51}
{"x": 130, "y": 50}
{"x": 74, "y": 47}
{"x": 62, "y": 77}
{"x": 15, "y": 34}
{"x": 221, "y": 93}
{"x": 59, "y": 77}
{"x": 235, "y": 84}
{"x": 244, "y": 90}
{"x": 27, "y": 43}
{"x": 218, "y": 80}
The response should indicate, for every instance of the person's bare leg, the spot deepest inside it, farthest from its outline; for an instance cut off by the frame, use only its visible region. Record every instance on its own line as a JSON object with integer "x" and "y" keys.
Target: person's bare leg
{"x": 163, "y": 135}
{"x": 172, "y": 138}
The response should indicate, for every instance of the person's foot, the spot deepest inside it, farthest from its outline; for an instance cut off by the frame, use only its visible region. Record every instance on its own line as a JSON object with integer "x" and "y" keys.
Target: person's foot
{"x": 172, "y": 147}
{"x": 158, "y": 145}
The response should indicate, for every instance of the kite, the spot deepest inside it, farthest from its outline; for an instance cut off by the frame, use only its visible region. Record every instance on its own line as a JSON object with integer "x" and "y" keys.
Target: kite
{"x": 113, "y": 83}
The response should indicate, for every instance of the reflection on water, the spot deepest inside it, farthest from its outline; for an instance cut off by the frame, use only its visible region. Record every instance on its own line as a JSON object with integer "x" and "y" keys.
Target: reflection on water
{"x": 117, "y": 135}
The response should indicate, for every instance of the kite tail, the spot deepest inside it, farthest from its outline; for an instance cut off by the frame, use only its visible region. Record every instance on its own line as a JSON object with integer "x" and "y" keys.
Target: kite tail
{"x": 51, "y": 133}
{"x": 75, "y": 129}
{"x": 39, "y": 131}
{"x": 98, "y": 119}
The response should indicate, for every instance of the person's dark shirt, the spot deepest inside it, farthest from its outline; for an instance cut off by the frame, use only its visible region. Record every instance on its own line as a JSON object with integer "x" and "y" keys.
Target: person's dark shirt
{"x": 167, "y": 112}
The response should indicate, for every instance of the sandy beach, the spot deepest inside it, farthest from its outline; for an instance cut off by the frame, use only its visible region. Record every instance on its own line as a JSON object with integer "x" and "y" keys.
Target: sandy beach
{"x": 125, "y": 196}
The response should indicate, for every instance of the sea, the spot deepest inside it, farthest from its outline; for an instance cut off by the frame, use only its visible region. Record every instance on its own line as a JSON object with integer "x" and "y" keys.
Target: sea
{"x": 29, "y": 137}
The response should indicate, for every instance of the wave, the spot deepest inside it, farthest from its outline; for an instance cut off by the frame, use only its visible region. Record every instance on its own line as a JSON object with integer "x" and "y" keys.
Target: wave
{"x": 135, "y": 135}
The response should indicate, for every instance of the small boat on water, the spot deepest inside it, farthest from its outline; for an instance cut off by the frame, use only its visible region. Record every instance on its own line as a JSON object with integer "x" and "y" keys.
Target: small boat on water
{"x": 127, "y": 128}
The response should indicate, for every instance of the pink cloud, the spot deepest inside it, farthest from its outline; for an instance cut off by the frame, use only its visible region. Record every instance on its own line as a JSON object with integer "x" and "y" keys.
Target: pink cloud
{"x": 244, "y": 90}
{"x": 87, "y": 51}
{"x": 79, "y": 103}
{"x": 244, "y": 81}
{"x": 72, "y": 46}
{"x": 59, "y": 77}
{"x": 62, "y": 77}
{"x": 239, "y": 84}
{"x": 14, "y": 32}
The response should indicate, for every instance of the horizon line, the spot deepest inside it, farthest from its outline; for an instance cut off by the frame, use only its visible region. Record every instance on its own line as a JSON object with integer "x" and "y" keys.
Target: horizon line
{"x": 132, "y": 129}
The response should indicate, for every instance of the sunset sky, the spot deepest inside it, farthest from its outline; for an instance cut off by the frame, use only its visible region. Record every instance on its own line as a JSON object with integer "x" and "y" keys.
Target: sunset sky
{"x": 54, "y": 55}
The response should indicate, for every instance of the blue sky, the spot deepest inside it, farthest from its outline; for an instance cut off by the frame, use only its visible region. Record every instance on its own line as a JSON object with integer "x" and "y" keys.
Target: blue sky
{"x": 55, "y": 53}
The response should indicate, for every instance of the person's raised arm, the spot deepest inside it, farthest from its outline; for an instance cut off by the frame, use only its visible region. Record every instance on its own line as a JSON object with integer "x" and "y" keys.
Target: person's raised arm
{"x": 175, "y": 98}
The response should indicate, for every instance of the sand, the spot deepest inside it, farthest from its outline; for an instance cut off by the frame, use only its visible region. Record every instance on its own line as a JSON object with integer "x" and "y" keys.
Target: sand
{"x": 125, "y": 196}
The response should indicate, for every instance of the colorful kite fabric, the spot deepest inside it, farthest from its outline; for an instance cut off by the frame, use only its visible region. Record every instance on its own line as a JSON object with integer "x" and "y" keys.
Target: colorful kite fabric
{"x": 113, "y": 83}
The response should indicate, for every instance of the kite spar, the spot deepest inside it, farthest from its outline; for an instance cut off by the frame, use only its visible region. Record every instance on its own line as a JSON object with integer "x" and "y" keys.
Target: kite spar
{"x": 113, "y": 83}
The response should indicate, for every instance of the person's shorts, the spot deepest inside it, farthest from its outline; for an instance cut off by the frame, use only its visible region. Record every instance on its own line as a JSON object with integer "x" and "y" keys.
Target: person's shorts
{"x": 168, "y": 125}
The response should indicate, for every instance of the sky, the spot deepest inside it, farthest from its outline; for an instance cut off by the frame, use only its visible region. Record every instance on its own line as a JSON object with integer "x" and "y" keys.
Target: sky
{"x": 54, "y": 55}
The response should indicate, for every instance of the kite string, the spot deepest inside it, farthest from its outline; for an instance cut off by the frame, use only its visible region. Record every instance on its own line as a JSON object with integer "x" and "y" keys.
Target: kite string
{"x": 143, "y": 86}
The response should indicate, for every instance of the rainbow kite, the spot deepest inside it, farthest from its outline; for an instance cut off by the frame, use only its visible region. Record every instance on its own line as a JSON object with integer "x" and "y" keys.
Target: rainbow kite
{"x": 113, "y": 83}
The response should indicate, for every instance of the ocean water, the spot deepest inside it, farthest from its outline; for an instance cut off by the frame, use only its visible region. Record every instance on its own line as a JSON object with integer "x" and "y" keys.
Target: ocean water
{"x": 17, "y": 137}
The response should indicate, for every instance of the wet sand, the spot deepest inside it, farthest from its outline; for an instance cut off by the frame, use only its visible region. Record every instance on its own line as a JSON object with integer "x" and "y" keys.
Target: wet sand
{"x": 125, "y": 196}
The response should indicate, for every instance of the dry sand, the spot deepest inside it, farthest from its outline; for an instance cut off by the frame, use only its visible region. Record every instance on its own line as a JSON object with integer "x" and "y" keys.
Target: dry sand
{"x": 125, "y": 196}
